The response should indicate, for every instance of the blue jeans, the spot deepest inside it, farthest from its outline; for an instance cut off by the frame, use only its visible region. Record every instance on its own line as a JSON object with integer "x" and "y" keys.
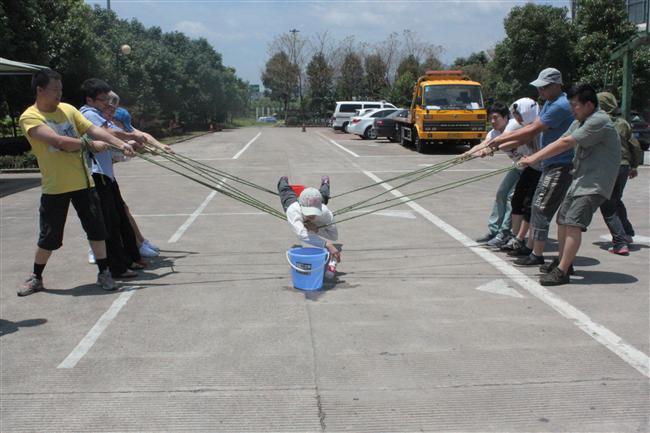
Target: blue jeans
{"x": 500, "y": 220}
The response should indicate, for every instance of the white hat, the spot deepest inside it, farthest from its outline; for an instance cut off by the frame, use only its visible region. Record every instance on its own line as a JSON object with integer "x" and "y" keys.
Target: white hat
{"x": 311, "y": 202}
{"x": 548, "y": 76}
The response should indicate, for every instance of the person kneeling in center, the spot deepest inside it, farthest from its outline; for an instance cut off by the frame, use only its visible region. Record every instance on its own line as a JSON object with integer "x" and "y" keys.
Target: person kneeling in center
{"x": 310, "y": 219}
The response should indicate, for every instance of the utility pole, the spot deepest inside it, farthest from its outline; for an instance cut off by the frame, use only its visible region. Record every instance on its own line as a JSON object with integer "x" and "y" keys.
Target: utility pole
{"x": 108, "y": 4}
{"x": 294, "y": 55}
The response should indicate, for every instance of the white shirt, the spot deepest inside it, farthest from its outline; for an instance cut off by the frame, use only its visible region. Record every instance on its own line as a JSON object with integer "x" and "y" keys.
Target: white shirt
{"x": 296, "y": 219}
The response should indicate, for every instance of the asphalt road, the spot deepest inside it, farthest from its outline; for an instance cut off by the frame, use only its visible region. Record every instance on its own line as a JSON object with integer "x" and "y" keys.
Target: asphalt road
{"x": 424, "y": 330}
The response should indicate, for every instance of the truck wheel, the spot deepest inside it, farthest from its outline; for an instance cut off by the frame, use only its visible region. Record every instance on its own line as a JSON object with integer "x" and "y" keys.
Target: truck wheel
{"x": 370, "y": 133}
{"x": 417, "y": 143}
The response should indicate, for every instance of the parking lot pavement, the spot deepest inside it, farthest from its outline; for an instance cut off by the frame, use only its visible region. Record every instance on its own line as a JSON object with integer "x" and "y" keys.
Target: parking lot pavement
{"x": 423, "y": 331}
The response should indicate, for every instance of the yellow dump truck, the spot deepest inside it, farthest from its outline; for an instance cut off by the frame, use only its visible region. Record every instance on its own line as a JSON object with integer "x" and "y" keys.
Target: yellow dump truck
{"x": 447, "y": 108}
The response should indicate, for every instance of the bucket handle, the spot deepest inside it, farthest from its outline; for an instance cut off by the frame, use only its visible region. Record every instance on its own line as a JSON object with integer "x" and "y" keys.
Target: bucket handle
{"x": 312, "y": 270}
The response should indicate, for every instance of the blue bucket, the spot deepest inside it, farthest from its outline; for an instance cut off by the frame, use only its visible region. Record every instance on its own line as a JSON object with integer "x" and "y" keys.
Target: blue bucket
{"x": 307, "y": 267}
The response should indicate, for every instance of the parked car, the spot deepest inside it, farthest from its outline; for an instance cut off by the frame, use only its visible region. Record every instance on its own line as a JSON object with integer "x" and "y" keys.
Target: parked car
{"x": 267, "y": 119}
{"x": 640, "y": 129}
{"x": 345, "y": 110}
{"x": 363, "y": 125}
{"x": 386, "y": 126}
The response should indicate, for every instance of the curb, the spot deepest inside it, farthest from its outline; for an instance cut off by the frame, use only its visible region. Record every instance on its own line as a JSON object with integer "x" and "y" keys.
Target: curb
{"x": 20, "y": 170}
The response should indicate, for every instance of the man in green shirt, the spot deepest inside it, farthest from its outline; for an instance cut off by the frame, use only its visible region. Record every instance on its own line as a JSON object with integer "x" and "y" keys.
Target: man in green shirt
{"x": 595, "y": 167}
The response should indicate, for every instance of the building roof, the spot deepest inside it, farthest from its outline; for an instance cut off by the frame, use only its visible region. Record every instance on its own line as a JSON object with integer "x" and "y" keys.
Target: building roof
{"x": 11, "y": 67}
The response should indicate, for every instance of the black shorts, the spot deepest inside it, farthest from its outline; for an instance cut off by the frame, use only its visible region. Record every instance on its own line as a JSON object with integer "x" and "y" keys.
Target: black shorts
{"x": 54, "y": 211}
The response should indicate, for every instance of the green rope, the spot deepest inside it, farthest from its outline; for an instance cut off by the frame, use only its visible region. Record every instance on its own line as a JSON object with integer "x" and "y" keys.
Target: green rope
{"x": 422, "y": 194}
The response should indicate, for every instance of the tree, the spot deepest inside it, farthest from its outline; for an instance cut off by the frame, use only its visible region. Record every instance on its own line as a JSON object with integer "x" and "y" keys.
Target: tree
{"x": 402, "y": 91}
{"x": 350, "y": 82}
{"x": 376, "y": 82}
{"x": 320, "y": 77}
{"x": 537, "y": 37}
{"x": 410, "y": 64}
{"x": 280, "y": 77}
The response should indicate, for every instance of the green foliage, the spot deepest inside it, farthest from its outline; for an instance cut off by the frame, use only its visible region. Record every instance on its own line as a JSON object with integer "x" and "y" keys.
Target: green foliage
{"x": 601, "y": 26}
{"x": 409, "y": 64}
{"x": 26, "y": 160}
{"x": 320, "y": 79}
{"x": 537, "y": 37}
{"x": 402, "y": 91}
{"x": 280, "y": 77}
{"x": 376, "y": 83}
{"x": 350, "y": 82}
{"x": 167, "y": 75}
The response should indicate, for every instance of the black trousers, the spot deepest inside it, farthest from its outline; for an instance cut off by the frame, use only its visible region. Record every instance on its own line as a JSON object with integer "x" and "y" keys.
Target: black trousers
{"x": 118, "y": 236}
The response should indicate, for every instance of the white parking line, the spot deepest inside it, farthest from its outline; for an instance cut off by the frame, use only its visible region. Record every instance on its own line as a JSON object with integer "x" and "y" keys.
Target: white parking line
{"x": 338, "y": 145}
{"x": 246, "y": 147}
{"x": 631, "y": 355}
{"x": 91, "y": 337}
{"x": 176, "y": 236}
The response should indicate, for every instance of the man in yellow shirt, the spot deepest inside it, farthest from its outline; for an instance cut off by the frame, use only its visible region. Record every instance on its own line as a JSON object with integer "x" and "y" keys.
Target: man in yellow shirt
{"x": 55, "y": 132}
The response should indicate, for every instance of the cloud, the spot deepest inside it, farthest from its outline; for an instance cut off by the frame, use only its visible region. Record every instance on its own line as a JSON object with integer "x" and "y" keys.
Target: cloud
{"x": 197, "y": 29}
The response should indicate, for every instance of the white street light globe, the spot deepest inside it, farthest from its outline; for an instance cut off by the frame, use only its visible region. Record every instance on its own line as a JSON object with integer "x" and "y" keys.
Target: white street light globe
{"x": 125, "y": 49}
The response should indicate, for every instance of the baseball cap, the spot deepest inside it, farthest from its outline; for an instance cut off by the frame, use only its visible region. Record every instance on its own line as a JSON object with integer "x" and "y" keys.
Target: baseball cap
{"x": 546, "y": 77}
{"x": 310, "y": 201}
{"x": 122, "y": 115}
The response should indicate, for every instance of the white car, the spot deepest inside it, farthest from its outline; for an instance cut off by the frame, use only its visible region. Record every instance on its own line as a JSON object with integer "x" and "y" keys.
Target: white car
{"x": 363, "y": 125}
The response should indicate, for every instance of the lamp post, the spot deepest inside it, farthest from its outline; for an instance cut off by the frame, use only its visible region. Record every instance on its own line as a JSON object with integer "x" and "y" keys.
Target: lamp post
{"x": 124, "y": 50}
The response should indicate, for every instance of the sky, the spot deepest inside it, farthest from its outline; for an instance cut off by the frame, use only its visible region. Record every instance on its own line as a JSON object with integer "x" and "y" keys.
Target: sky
{"x": 242, "y": 30}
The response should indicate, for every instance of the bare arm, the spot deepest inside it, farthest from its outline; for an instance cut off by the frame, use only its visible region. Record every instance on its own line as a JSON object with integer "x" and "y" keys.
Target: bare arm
{"x": 520, "y": 136}
{"x": 558, "y": 146}
{"x": 47, "y": 135}
{"x": 97, "y": 133}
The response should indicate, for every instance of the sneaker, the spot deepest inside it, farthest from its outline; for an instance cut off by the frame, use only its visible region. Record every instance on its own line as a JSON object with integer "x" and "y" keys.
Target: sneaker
{"x": 522, "y": 251}
{"x": 486, "y": 237}
{"x": 548, "y": 267}
{"x": 499, "y": 240}
{"x": 629, "y": 239}
{"x": 129, "y": 273}
{"x": 151, "y": 246}
{"x": 145, "y": 251}
{"x": 31, "y": 285}
{"x": 621, "y": 250}
{"x": 554, "y": 278}
{"x": 105, "y": 281}
{"x": 512, "y": 244}
{"x": 91, "y": 257}
{"x": 529, "y": 260}
{"x": 285, "y": 178}
{"x": 324, "y": 180}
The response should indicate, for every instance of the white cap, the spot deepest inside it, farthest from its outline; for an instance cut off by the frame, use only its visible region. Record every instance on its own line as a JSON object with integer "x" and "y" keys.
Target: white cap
{"x": 311, "y": 202}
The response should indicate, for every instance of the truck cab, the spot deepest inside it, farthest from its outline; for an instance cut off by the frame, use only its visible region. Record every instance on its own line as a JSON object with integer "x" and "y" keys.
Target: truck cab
{"x": 447, "y": 107}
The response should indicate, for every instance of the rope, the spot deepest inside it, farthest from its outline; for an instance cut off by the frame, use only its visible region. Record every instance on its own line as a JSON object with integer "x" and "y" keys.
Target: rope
{"x": 422, "y": 194}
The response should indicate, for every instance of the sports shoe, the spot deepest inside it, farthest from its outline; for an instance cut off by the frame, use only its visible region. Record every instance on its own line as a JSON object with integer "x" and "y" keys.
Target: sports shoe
{"x": 284, "y": 178}
{"x": 554, "y": 278}
{"x": 512, "y": 244}
{"x": 330, "y": 270}
{"x": 529, "y": 260}
{"x": 486, "y": 237}
{"x": 150, "y": 245}
{"x": 145, "y": 251}
{"x": 105, "y": 281}
{"x": 621, "y": 250}
{"x": 499, "y": 240}
{"x": 31, "y": 285}
{"x": 324, "y": 180}
{"x": 91, "y": 256}
{"x": 129, "y": 273}
{"x": 523, "y": 250}
{"x": 629, "y": 239}
{"x": 548, "y": 267}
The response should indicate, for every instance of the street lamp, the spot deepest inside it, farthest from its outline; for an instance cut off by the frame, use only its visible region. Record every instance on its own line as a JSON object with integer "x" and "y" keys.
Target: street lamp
{"x": 124, "y": 50}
